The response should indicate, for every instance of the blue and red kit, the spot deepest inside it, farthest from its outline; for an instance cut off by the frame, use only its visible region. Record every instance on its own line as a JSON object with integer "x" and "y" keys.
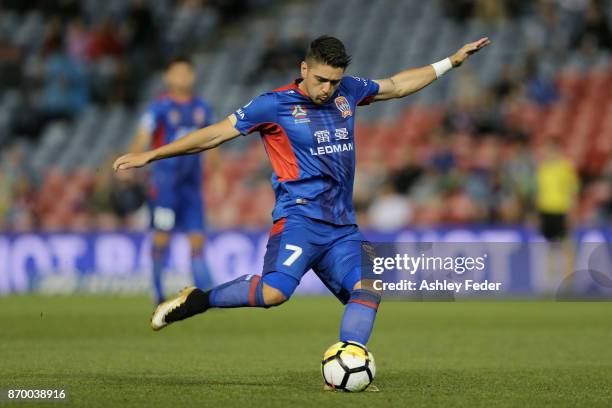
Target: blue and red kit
{"x": 312, "y": 151}
{"x": 176, "y": 183}
{"x": 311, "y": 147}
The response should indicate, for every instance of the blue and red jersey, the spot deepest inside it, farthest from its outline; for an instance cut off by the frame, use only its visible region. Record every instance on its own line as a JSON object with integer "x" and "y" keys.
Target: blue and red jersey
{"x": 311, "y": 147}
{"x": 167, "y": 120}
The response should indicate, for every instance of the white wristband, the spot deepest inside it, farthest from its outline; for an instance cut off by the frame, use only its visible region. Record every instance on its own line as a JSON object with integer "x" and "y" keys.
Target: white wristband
{"x": 442, "y": 67}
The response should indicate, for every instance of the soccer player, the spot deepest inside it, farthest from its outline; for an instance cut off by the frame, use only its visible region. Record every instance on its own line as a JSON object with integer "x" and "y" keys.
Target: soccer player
{"x": 175, "y": 196}
{"x": 307, "y": 128}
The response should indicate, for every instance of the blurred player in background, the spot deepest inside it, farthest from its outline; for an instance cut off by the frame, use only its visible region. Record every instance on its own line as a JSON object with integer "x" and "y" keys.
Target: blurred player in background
{"x": 175, "y": 194}
{"x": 308, "y": 130}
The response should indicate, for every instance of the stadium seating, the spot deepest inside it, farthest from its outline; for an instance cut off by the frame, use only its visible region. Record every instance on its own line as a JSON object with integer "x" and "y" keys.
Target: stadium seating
{"x": 383, "y": 36}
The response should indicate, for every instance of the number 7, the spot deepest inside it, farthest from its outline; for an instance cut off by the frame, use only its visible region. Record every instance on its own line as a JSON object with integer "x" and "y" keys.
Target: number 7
{"x": 297, "y": 251}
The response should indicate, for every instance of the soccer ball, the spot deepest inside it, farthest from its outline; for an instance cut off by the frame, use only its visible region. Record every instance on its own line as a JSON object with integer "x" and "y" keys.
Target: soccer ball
{"x": 348, "y": 366}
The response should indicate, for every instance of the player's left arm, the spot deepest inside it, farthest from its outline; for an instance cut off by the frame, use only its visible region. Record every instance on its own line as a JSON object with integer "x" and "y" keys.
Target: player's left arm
{"x": 411, "y": 80}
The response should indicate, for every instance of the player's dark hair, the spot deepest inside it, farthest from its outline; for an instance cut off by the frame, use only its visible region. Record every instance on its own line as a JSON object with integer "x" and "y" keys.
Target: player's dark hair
{"x": 328, "y": 50}
{"x": 178, "y": 59}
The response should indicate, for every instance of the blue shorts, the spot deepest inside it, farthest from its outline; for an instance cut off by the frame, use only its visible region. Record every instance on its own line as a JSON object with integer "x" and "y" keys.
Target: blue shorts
{"x": 176, "y": 206}
{"x": 299, "y": 243}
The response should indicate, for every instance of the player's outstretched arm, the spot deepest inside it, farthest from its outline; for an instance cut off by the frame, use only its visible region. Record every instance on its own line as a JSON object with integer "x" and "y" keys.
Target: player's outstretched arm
{"x": 194, "y": 142}
{"x": 412, "y": 80}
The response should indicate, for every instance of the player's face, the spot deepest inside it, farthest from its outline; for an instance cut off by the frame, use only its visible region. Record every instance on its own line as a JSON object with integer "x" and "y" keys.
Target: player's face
{"x": 180, "y": 77}
{"x": 320, "y": 80}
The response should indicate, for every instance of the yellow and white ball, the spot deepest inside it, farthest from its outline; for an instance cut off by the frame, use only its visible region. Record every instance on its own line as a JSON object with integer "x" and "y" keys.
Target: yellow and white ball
{"x": 348, "y": 366}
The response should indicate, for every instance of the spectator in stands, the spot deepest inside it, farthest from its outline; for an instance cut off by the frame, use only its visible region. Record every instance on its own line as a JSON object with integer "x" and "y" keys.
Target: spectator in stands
{"x": 142, "y": 26}
{"x": 407, "y": 175}
{"x": 598, "y": 198}
{"x": 270, "y": 62}
{"x": 65, "y": 89}
{"x": 21, "y": 216}
{"x": 16, "y": 194}
{"x": 442, "y": 158}
{"x": 142, "y": 42}
{"x": 232, "y": 10}
{"x": 540, "y": 89}
{"x": 10, "y": 62}
{"x": 459, "y": 10}
{"x": 52, "y": 40}
{"x": 293, "y": 50}
{"x": 516, "y": 179}
{"x": 595, "y": 28}
{"x": 606, "y": 207}
{"x": 104, "y": 41}
{"x": 279, "y": 57}
{"x": 110, "y": 72}
{"x": 77, "y": 39}
{"x": 115, "y": 201}
{"x": 64, "y": 9}
{"x": 546, "y": 34}
{"x": 6, "y": 199}
{"x": 428, "y": 187}
{"x": 491, "y": 10}
{"x": 390, "y": 210}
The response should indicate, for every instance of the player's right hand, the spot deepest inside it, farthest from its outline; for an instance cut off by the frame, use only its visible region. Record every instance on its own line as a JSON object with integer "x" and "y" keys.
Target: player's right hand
{"x": 132, "y": 160}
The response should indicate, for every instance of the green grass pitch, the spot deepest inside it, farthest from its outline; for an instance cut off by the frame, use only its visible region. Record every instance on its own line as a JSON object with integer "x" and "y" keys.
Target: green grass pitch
{"x": 463, "y": 354}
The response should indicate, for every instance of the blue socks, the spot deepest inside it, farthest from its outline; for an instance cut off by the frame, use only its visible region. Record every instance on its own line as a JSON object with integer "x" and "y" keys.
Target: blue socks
{"x": 246, "y": 290}
{"x": 359, "y": 314}
{"x": 159, "y": 261}
{"x": 200, "y": 271}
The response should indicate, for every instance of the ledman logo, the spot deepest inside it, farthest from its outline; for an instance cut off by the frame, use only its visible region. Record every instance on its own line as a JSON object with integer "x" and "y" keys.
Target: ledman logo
{"x": 343, "y": 106}
{"x": 298, "y": 112}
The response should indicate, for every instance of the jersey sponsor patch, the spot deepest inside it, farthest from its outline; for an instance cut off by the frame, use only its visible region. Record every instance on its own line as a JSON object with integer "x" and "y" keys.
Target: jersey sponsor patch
{"x": 300, "y": 114}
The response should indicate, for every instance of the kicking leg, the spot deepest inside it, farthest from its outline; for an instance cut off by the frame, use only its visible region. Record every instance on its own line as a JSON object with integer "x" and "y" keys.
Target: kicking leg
{"x": 272, "y": 289}
{"x": 287, "y": 259}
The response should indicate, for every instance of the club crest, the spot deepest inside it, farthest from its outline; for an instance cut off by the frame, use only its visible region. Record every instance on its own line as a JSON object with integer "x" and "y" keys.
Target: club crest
{"x": 174, "y": 117}
{"x": 199, "y": 116}
{"x": 343, "y": 106}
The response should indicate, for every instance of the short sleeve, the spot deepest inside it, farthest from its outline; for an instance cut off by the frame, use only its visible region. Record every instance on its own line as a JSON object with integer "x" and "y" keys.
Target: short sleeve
{"x": 148, "y": 120}
{"x": 363, "y": 90}
{"x": 257, "y": 112}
